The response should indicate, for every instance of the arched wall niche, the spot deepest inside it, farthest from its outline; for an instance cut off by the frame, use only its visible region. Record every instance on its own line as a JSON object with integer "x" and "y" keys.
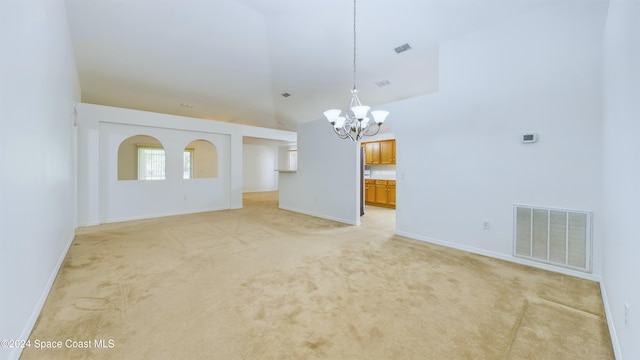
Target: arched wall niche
{"x": 200, "y": 160}
{"x": 141, "y": 146}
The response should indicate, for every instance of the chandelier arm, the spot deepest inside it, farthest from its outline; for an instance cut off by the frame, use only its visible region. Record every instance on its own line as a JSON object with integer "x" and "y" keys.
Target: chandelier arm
{"x": 361, "y": 132}
{"x": 354, "y": 136}
{"x": 375, "y": 133}
{"x": 350, "y": 132}
{"x": 340, "y": 133}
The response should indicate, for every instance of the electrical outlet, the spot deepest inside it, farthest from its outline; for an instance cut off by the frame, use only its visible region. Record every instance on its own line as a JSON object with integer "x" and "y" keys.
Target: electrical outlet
{"x": 626, "y": 314}
{"x": 485, "y": 225}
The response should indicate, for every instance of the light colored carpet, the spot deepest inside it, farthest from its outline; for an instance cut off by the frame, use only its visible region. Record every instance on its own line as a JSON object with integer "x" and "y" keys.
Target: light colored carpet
{"x": 263, "y": 283}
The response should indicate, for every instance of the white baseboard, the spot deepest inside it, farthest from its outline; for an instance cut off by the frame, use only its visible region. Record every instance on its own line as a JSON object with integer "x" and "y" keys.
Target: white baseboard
{"x": 28, "y": 328}
{"x": 90, "y": 223}
{"x": 502, "y": 256}
{"x": 344, "y": 221}
{"x": 612, "y": 327}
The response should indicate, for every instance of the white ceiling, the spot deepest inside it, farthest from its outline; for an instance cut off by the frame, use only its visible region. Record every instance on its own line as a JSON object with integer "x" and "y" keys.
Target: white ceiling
{"x": 230, "y": 60}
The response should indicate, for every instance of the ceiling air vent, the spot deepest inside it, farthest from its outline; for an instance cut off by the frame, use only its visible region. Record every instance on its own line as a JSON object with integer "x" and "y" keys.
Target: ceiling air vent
{"x": 286, "y": 94}
{"x": 382, "y": 83}
{"x": 402, "y": 48}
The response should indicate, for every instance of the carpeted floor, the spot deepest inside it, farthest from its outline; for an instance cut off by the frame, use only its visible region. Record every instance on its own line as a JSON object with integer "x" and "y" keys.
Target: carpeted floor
{"x": 263, "y": 283}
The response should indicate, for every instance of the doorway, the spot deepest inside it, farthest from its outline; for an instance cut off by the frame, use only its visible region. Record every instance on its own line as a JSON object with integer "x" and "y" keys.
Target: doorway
{"x": 378, "y": 181}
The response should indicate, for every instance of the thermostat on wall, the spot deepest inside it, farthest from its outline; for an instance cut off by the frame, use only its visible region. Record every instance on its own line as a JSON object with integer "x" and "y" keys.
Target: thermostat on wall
{"x": 529, "y": 138}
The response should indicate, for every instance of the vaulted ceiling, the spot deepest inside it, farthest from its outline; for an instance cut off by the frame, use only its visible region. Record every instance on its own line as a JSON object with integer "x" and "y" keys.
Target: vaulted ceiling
{"x": 231, "y": 60}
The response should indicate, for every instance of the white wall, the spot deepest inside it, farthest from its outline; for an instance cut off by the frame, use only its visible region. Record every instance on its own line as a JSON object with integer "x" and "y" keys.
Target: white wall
{"x": 133, "y": 199}
{"x": 258, "y": 167}
{"x": 327, "y": 175}
{"x": 102, "y": 198}
{"x": 621, "y": 159}
{"x": 460, "y": 160}
{"x": 38, "y": 89}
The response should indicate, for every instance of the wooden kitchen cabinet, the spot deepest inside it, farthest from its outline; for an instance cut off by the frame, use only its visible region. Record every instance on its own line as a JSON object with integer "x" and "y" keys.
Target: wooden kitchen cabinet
{"x": 380, "y": 152}
{"x": 372, "y": 152}
{"x": 380, "y": 193}
{"x": 391, "y": 194}
{"x": 369, "y": 191}
{"x": 388, "y": 152}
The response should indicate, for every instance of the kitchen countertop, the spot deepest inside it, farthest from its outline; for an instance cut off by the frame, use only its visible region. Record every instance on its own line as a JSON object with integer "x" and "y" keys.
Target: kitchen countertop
{"x": 381, "y": 178}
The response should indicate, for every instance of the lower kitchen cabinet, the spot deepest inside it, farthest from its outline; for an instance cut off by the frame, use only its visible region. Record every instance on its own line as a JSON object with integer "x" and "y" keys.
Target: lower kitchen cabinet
{"x": 380, "y": 193}
{"x": 369, "y": 191}
{"x": 391, "y": 194}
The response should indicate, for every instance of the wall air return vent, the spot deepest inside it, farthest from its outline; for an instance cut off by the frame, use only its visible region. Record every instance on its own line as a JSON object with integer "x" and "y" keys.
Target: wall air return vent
{"x": 553, "y": 236}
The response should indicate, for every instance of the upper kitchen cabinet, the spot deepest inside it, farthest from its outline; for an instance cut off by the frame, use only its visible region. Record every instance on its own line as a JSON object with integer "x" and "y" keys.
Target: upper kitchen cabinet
{"x": 388, "y": 152}
{"x": 372, "y": 152}
{"x": 380, "y": 152}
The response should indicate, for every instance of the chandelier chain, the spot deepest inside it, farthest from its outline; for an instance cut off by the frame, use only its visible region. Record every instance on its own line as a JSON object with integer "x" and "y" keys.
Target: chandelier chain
{"x": 354, "y": 44}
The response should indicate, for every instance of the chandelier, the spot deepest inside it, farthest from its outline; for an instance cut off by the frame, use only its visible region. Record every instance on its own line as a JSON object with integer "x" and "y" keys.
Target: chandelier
{"x": 355, "y": 124}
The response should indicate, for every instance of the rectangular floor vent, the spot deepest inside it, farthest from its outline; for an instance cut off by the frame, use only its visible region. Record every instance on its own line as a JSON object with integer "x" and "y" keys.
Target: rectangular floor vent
{"x": 553, "y": 236}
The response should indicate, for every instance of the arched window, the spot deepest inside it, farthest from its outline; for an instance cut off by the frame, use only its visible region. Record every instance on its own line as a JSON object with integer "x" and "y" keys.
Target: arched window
{"x": 141, "y": 157}
{"x": 200, "y": 160}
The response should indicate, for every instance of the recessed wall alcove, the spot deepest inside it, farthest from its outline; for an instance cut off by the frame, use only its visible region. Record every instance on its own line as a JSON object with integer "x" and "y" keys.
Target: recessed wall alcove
{"x": 200, "y": 160}
{"x": 141, "y": 157}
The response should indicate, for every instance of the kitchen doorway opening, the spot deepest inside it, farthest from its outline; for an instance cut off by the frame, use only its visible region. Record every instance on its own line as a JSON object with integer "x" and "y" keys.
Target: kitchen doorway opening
{"x": 378, "y": 182}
